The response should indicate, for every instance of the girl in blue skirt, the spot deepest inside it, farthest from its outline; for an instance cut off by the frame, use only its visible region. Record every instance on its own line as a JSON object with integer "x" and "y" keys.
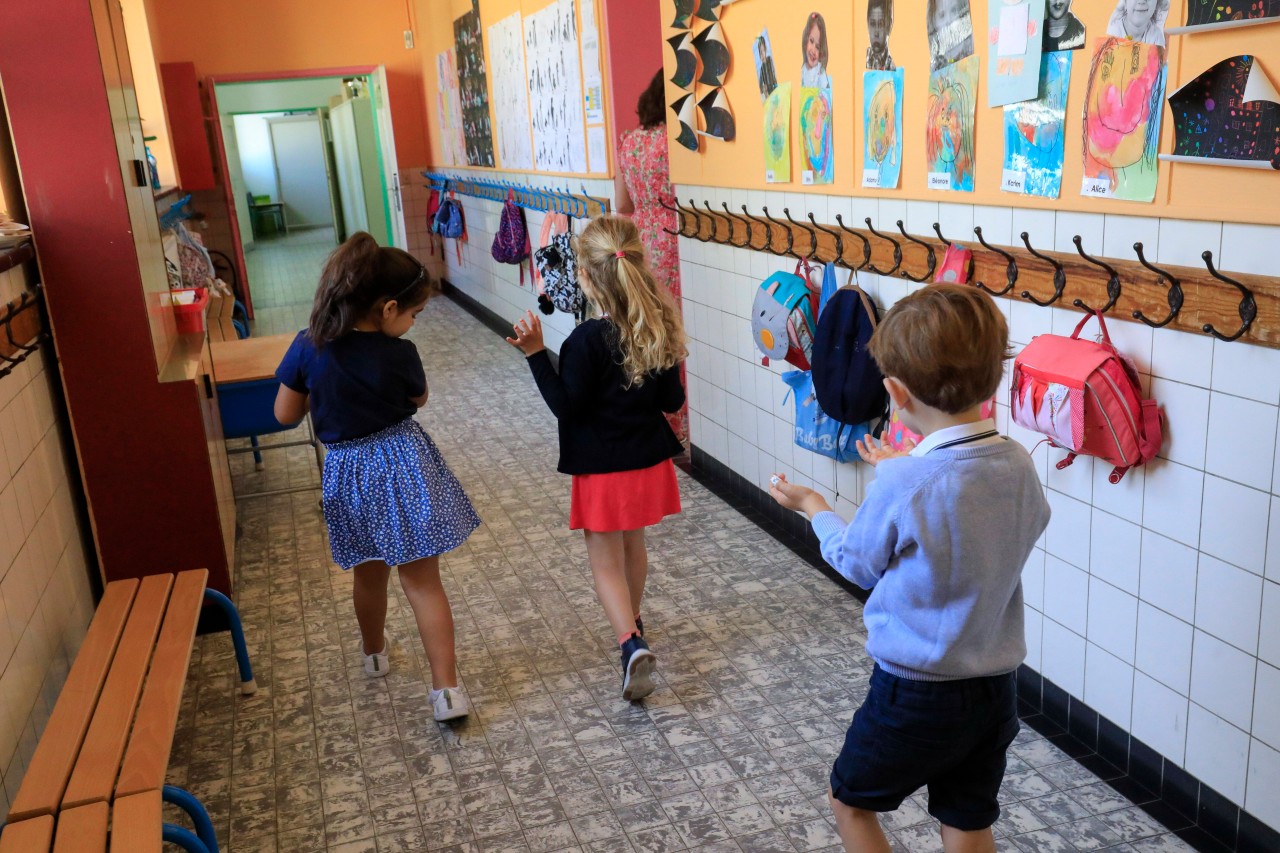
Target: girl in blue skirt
{"x": 389, "y": 499}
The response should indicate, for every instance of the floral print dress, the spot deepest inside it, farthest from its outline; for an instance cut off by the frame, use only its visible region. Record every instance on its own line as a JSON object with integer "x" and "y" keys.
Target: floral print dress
{"x": 642, "y": 159}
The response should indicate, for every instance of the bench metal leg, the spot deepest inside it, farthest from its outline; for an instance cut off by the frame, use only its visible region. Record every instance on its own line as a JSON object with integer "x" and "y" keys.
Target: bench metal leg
{"x": 257, "y": 454}
{"x": 247, "y": 685}
{"x": 184, "y": 838}
{"x": 188, "y": 802}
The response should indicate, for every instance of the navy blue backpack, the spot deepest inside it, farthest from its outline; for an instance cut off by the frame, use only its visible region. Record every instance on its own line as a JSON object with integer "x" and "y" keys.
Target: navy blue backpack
{"x": 846, "y": 379}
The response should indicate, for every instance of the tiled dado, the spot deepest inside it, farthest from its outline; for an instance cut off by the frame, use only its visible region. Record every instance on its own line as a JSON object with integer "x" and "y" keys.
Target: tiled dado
{"x": 1153, "y": 602}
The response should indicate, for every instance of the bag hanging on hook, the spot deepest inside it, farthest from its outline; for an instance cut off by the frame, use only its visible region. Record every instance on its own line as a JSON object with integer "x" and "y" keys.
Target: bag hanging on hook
{"x": 816, "y": 431}
{"x": 955, "y": 265}
{"x": 784, "y": 316}
{"x": 846, "y": 379}
{"x": 511, "y": 243}
{"x": 1085, "y": 396}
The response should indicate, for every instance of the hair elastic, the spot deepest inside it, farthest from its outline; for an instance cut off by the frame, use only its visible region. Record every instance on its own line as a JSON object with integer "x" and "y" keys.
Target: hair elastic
{"x": 619, "y": 255}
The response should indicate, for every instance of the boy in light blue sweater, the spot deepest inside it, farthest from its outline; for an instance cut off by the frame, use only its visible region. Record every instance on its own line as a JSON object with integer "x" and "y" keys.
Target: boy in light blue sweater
{"x": 940, "y": 540}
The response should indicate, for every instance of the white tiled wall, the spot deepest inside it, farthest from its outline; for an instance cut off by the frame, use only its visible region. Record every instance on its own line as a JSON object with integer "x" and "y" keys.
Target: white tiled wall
{"x": 45, "y": 600}
{"x": 1157, "y": 600}
{"x": 495, "y": 286}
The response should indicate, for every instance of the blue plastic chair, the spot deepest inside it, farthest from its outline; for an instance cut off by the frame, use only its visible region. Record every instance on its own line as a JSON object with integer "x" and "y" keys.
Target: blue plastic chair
{"x": 248, "y": 411}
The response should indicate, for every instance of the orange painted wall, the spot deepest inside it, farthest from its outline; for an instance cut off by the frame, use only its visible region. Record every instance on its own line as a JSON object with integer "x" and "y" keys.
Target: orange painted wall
{"x": 250, "y": 36}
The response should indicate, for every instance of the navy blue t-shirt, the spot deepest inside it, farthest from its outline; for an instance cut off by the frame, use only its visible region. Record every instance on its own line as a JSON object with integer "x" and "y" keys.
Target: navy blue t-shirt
{"x": 359, "y": 384}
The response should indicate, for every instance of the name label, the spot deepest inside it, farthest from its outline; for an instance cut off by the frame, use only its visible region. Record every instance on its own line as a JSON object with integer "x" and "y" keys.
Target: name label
{"x": 806, "y": 177}
{"x": 1014, "y": 181}
{"x": 939, "y": 180}
{"x": 1097, "y": 187}
{"x": 871, "y": 178}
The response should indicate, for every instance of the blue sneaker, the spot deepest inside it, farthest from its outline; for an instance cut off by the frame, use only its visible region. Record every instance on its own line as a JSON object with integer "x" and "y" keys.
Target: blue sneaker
{"x": 638, "y": 665}
{"x": 640, "y": 626}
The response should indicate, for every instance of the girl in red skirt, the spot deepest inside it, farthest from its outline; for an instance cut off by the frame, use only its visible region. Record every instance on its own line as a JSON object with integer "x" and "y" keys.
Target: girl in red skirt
{"x": 619, "y": 375}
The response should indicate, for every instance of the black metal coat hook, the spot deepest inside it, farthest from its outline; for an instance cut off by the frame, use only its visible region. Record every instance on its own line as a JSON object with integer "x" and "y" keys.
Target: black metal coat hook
{"x": 697, "y": 217}
{"x": 1010, "y": 270}
{"x": 715, "y": 222}
{"x": 968, "y": 275}
{"x": 733, "y": 219}
{"x": 866, "y": 244}
{"x": 838, "y": 260}
{"x": 933, "y": 259}
{"x": 679, "y": 212}
{"x": 1059, "y": 276}
{"x": 791, "y": 237}
{"x": 1113, "y": 283}
{"x": 768, "y": 234}
{"x": 1174, "y": 295}
{"x": 1248, "y": 308}
{"x": 813, "y": 235}
{"x": 897, "y": 250}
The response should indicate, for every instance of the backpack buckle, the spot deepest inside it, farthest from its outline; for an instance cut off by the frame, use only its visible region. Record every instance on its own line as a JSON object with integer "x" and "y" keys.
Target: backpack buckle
{"x": 1070, "y": 457}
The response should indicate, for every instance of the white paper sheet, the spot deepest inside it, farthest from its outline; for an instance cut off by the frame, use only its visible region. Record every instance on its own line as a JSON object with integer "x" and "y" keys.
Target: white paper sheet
{"x": 453, "y": 145}
{"x": 555, "y": 89}
{"x": 510, "y": 93}
{"x": 1013, "y": 30}
{"x": 597, "y": 150}
{"x": 593, "y": 80}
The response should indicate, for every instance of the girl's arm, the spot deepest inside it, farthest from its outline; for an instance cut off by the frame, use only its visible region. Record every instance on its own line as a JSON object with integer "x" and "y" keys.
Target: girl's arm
{"x": 568, "y": 391}
{"x": 670, "y": 392}
{"x": 290, "y": 407}
{"x": 622, "y": 202}
{"x": 422, "y": 400}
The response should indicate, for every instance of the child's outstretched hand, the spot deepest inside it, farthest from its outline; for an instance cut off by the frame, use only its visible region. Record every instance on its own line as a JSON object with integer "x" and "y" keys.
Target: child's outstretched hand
{"x": 799, "y": 498}
{"x": 528, "y": 337}
{"x": 872, "y": 453}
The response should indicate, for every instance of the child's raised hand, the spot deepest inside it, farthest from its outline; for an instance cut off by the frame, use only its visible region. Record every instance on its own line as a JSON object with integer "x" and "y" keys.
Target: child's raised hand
{"x": 528, "y": 337}
{"x": 872, "y": 452}
{"x": 799, "y": 498}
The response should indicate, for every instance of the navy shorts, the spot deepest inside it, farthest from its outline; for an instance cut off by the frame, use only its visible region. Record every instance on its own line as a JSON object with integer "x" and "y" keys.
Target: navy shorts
{"x": 949, "y": 736}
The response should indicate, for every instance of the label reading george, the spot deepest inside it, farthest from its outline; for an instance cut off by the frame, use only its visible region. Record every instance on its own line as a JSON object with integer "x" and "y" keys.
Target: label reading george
{"x": 1014, "y": 182}
{"x": 1099, "y": 187}
{"x": 806, "y": 177}
{"x": 871, "y": 178}
{"x": 939, "y": 180}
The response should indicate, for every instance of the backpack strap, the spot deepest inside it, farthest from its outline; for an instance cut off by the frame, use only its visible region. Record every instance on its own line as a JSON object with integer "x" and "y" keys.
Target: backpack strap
{"x": 1102, "y": 324}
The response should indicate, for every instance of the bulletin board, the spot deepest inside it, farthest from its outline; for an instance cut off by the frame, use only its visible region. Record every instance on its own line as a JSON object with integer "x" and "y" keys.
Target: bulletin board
{"x": 549, "y": 149}
{"x": 1183, "y": 190}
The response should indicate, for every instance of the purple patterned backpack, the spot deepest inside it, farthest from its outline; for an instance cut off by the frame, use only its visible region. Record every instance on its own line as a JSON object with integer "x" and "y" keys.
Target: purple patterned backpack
{"x": 511, "y": 243}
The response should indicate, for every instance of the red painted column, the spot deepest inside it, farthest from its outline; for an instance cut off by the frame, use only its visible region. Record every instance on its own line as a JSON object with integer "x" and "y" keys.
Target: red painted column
{"x": 142, "y": 444}
{"x": 633, "y": 36}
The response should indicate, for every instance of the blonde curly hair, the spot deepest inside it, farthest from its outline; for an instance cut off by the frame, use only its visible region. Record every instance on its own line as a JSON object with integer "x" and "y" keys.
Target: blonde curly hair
{"x": 616, "y": 277}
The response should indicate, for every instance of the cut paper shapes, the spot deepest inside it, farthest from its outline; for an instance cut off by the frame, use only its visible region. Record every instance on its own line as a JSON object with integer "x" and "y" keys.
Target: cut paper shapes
{"x": 766, "y": 72}
{"x": 1033, "y": 133}
{"x": 1229, "y": 116}
{"x": 813, "y": 54}
{"x": 688, "y": 136}
{"x": 950, "y": 127}
{"x": 1062, "y": 29}
{"x": 777, "y": 135}
{"x": 950, "y": 32}
{"x": 683, "y": 12}
{"x": 717, "y": 118}
{"x": 1122, "y": 107}
{"x": 1139, "y": 20}
{"x": 815, "y": 136}
{"x": 882, "y": 128}
{"x": 1013, "y": 63}
{"x": 714, "y": 53}
{"x": 686, "y": 60}
{"x": 1221, "y": 14}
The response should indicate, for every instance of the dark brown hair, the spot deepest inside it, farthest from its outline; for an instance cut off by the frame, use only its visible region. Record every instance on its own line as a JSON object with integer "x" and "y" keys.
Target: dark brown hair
{"x": 652, "y": 107}
{"x": 947, "y": 343}
{"x": 361, "y": 276}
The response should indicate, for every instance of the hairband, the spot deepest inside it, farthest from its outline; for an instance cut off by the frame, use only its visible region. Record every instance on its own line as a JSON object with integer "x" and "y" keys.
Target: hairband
{"x": 619, "y": 255}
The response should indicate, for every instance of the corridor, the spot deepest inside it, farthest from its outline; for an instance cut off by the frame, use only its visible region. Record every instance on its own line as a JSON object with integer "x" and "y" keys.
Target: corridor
{"x": 760, "y": 656}
{"x": 283, "y": 272}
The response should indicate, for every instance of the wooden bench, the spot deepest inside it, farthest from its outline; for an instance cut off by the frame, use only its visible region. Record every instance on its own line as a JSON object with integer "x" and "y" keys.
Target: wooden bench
{"x": 103, "y": 755}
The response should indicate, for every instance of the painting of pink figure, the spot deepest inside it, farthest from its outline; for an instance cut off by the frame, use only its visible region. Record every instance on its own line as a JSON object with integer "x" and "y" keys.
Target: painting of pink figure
{"x": 1122, "y": 109}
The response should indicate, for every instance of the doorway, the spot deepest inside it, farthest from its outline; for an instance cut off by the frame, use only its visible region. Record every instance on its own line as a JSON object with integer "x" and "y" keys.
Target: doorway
{"x": 305, "y": 155}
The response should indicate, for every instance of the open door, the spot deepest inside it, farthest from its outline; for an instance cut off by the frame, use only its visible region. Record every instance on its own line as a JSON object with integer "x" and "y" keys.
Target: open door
{"x": 387, "y": 151}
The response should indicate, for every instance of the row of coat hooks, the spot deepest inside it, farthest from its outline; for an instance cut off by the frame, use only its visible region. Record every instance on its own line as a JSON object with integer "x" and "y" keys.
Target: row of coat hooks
{"x": 547, "y": 199}
{"x": 1188, "y": 298}
{"x": 23, "y": 326}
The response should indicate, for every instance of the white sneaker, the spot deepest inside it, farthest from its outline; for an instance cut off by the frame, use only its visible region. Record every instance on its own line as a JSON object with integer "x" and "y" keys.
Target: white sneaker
{"x": 378, "y": 664}
{"x": 449, "y": 703}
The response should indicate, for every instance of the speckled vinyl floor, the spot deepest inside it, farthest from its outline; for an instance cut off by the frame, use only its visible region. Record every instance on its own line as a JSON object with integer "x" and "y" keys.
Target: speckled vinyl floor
{"x": 761, "y": 663}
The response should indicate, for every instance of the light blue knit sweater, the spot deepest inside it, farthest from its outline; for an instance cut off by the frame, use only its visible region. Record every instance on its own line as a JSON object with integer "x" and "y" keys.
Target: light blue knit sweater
{"x": 941, "y": 540}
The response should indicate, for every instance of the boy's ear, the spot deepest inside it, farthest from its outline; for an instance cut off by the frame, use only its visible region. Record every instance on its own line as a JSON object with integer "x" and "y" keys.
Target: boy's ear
{"x": 898, "y": 393}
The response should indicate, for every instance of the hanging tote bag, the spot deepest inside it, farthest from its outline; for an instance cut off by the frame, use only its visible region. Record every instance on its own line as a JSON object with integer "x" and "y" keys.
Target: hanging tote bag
{"x": 557, "y": 268}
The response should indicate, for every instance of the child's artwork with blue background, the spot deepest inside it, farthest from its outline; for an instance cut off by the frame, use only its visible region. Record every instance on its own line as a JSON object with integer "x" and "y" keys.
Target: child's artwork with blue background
{"x": 1033, "y": 133}
{"x": 882, "y": 128}
{"x": 1015, "y": 39}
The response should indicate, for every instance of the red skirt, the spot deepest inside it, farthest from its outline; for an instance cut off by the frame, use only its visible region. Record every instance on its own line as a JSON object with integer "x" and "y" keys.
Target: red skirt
{"x": 625, "y": 500}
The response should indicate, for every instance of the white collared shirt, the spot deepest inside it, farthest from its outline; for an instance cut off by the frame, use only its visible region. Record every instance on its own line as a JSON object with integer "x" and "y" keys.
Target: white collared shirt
{"x": 960, "y": 432}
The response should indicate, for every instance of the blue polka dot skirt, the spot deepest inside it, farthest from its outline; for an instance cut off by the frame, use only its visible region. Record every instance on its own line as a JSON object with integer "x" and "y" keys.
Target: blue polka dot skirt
{"x": 389, "y": 496}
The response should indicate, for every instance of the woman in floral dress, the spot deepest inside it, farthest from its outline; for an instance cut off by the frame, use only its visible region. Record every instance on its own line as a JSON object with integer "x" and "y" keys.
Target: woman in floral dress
{"x": 642, "y": 185}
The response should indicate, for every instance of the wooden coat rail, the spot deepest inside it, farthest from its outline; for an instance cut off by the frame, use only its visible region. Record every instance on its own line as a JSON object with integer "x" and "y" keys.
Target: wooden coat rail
{"x": 1202, "y": 300}
{"x": 579, "y": 206}
{"x": 22, "y": 324}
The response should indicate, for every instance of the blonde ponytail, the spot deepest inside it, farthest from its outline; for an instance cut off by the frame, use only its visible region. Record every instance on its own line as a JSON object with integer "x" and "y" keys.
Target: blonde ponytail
{"x": 650, "y": 334}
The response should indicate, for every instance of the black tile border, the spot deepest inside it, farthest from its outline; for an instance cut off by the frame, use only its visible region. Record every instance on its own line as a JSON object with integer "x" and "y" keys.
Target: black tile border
{"x": 1199, "y": 815}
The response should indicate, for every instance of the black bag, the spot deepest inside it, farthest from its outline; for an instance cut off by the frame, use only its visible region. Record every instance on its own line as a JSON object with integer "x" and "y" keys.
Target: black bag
{"x": 846, "y": 379}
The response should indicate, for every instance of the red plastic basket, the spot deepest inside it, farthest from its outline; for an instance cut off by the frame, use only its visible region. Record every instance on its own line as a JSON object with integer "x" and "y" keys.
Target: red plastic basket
{"x": 190, "y": 318}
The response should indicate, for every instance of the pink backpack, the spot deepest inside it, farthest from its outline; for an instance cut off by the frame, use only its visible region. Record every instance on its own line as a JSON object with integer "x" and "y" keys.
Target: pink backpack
{"x": 1086, "y": 398}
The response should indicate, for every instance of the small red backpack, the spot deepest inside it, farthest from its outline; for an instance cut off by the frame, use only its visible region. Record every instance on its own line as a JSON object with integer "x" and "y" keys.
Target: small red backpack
{"x": 1086, "y": 398}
